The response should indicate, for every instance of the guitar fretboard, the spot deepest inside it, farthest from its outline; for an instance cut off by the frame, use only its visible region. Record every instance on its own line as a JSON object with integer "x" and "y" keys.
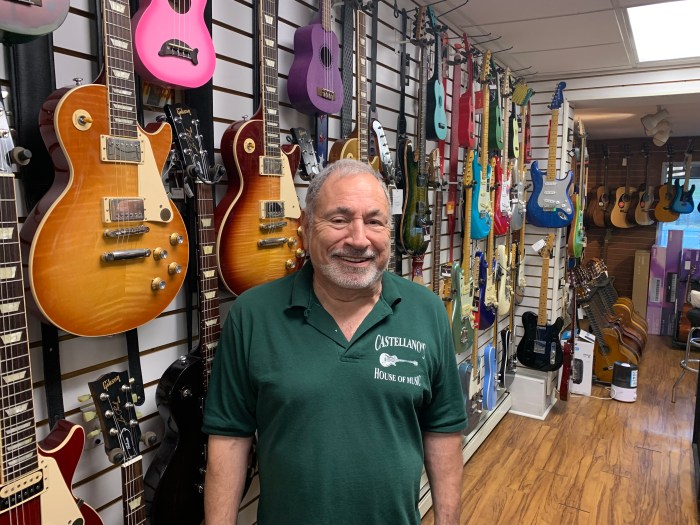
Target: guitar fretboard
{"x": 361, "y": 85}
{"x": 133, "y": 503}
{"x": 18, "y": 451}
{"x": 552, "y": 156}
{"x": 269, "y": 88}
{"x": 209, "y": 318}
{"x": 119, "y": 64}
{"x": 544, "y": 281}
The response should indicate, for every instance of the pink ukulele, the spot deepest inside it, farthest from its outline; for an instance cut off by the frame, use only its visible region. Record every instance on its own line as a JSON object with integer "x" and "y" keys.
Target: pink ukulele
{"x": 172, "y": 44}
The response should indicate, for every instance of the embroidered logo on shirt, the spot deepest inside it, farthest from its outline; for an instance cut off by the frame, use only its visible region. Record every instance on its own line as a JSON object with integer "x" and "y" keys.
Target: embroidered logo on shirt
{"x": 390, "y": 360}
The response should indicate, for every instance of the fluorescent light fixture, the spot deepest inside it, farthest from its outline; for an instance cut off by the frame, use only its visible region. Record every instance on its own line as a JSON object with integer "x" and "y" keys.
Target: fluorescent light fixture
{"x": 666, "y": 31}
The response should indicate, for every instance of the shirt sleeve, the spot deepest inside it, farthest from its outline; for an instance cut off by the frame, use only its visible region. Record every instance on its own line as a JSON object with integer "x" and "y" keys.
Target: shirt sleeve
{"x": 229, "y": 408}
{"x": 446, "y": 411}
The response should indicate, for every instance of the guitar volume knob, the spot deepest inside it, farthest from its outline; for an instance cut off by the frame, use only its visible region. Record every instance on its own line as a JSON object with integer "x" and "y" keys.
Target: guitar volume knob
{"x": 291, "y": 242}
{"x": 290, "y": 264}
{"x": 176, "y": 239}
{"x": 174, "y": 269}
{"x": 159, "y": 254}
{"x": 157, "y": 284}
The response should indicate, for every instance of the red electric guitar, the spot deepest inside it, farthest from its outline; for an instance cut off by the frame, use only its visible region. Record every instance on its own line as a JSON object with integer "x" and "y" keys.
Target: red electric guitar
{"x": 172, "y": 43}
{"x": 257, "y": 219}
{"x": 466, "y": 131}
{"x": 35, "y": 481}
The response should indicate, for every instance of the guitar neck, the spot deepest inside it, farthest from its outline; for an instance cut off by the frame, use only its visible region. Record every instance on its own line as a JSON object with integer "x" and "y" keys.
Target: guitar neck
{"x": 552, "y": 156}
{"x": 119, "y": 65}
{"x": 209, "y": 318}
{"x": 485, "y": 132}
{"x": 544, "y": 282}
{"x": 361, "y": 84}
{"x": 272, "y": 164}
{"x": 18, "y": 424}
{"x": 423, "y": 103}
{"x": 325, "y": 12}
{"x": 436, "y": 238}
{"x": 468, "y": 191}
{"x": 133, "y": 502}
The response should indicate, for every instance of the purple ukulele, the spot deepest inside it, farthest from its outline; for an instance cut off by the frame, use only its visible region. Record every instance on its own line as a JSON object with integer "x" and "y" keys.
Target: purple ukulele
{"x": 314, "y": 84}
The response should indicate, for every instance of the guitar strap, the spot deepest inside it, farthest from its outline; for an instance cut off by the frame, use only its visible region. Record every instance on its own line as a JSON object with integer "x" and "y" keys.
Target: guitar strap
{"x": 52, "y": 372}
{"x": 346, "y": 111}
{"x": 132, "y": 348}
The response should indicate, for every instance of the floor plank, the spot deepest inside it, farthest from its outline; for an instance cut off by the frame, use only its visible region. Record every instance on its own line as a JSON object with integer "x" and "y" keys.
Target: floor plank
{"x": 593, "y": 461}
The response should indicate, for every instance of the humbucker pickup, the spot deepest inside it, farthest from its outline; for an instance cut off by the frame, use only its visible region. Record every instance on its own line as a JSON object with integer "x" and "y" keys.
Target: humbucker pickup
{"x": 270, "y": 166}
{"x": 122, "y": 209}
{"x": 121, "y": 150}
{"x": 271, "y": 209}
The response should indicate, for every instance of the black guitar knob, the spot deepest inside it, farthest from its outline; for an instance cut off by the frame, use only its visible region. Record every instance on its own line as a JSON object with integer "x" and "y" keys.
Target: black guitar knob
{"x": 20, "y": 155}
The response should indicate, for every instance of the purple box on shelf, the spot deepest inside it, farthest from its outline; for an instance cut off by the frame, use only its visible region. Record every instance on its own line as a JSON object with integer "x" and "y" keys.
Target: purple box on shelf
{"x": 674, "y": 251}
{"x": 654, "y": 319}
{"x": 691, "y": 260}
{"x": 668, "y": 320}
{"x": 657, "y": 276}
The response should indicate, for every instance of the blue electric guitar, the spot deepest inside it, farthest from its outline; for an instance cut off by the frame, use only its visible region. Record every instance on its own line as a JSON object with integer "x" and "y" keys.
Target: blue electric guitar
{"x": 488, "y": 390}
{"x": 549, "y": 205}
{"x": 683, "y": 200}
{"x": 481, "y": 196}
{"x": 436, "y": 121}
{"x": 487, "y": 314}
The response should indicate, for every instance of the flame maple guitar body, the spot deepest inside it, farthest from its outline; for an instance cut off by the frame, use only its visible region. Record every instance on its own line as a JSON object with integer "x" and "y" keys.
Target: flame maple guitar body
{"x": 242, "y": 260}
{"x": 72, "y": 286}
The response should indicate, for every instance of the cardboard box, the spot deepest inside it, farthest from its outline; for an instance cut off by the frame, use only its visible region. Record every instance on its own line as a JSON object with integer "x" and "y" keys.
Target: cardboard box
{"x": 654, "y": 318}
{"x": 674, "y": 252}
{"x": 690, "y": 260}
{"x": 582, "y": 366}
{"x": 657, "y": 276}
{"x": 640, "y": 282}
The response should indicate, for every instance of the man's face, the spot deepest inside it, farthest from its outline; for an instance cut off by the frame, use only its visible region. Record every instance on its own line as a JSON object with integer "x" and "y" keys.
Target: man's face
{"x": 348, "y": 241}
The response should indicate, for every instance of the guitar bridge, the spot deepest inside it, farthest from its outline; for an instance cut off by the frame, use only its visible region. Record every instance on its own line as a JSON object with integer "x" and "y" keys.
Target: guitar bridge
{"x": 325, "y": 93}
{"x": 180, "y": 49}
{"x": 114, "y": 149}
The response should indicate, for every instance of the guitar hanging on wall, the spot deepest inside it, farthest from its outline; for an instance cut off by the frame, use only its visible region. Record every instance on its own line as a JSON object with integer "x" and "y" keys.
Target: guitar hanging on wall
{"x": 643, "y": 212}
{"x": 314, "y": 84}
{"x": 481, "y": 210}
{"x": 436, "y": 118}
{"x": 35, "y": 482}
{"x": 172, "y": 43}
{"x": 683, "y": 200}
{"x": 105, "y": 234}
{"x": 25, "y": 20}
{"x": 257, "y": 219}
{"x": 619, "y": 214}
{"x": 666, "y": 193}
{"x": 540, "y": 347}
{"x": 116, "y": 413}
{"x": 549, "y": 205}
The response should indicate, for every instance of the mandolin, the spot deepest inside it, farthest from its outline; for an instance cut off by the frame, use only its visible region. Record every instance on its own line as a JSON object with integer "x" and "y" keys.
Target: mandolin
{"x": 549, "y": 205}
{"x": 257, "y": 220}
{"x": 666, "y": 193}
{"x": 482, "y": 211}
{"x": 172, "y": 43}
{"x": 540, "y": 347}
{"x": 126, "y": 257}
{"x": 643, "y": 212}
{"x": 36, "y": 478}
{"x": 314, "y": 84}
{"x": 683, "y": 199}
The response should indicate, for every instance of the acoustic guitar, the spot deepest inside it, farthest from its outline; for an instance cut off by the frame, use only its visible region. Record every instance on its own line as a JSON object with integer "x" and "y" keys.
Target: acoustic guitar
{"x": 666, "y": 193}
{"x": 619, "y": 213}
{"x": 257, "y": 220}
{"x": 25, "y": 20}
{"x": 598, "y": 201}
{"x": 683, "y": 200}
{"x": 643, "y": 211}
{"x": 116, "y": 413}
{"x": 126, "y": 257}
{"x": 172, "y": 43}
{"x": 314, "y": 84}
{"x": 549, "y": 205}
{"x": 540, "y": 347}
{"x": 36, "y": 477}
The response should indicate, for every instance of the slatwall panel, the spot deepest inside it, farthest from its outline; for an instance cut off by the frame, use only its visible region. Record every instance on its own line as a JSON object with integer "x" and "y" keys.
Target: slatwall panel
{"x": 619, "y": 255}
{"x": 164, "y": 339}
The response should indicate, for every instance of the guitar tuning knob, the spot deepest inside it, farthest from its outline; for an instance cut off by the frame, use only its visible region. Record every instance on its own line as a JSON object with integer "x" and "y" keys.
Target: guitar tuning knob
{"x": 78, "y": 81}
{"x": 149, "y": 438}
{"x": 93, "y": 434}
{"x": 84, "y": 398}
{"x": 116, "y": 456}
{"x": 161, "y": 118}
{"x": 89, "y": 416}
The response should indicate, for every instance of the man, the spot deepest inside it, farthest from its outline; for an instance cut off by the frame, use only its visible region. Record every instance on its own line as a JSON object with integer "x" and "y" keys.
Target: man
{"x": 347, "y": 372}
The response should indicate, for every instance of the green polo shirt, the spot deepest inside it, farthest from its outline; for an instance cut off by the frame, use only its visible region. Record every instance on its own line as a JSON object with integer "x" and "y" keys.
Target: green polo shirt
{"x": 339, "y": 422}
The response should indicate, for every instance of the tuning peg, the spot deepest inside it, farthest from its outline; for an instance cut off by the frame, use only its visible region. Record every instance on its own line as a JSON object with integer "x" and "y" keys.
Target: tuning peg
{"x": 93, "y": 434}
{"x": 89, "y": 415}
{"x": 116, "y": 456}
{"x": 84, "y": 398}
{"x": 149, "y": 438}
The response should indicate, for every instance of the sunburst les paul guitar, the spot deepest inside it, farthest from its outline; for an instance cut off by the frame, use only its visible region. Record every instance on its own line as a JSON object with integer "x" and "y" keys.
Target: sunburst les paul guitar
{"x": 35, "y": 478}
{"x": 105, "y": 235}
{"x": 257, "y": 219}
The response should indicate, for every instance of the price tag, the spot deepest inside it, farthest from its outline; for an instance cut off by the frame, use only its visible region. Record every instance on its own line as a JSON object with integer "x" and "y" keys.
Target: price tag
{"x": 539, "y": 245}
{"x": 396, "y": 201}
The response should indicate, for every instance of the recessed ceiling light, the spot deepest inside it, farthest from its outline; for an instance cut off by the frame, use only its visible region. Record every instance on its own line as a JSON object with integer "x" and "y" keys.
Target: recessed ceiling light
{"x": 665, "y": 31}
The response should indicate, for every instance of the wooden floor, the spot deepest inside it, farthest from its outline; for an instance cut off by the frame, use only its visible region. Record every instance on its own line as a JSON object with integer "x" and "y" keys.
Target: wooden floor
{"x": 592, "y": 461}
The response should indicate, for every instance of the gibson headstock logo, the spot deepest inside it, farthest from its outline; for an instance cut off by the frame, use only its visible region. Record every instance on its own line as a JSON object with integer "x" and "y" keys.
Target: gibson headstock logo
{"x": 184, "y": 111}
{"x": 109, "y": 382}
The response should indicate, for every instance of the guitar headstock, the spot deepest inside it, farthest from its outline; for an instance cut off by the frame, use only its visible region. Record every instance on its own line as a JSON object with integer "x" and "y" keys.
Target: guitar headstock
{"x": 558, "y": 97}
{"x": 485, "y": 67}
{"x": 420, "y": 25}
{"x": 188, "y": 143}
{"x": 546, "y": 251}
{"x": 9, "y": 153}
{"x": 435, "y": 174}
{"x": 506, "y": 83}
{"x": 116, "y": 413}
